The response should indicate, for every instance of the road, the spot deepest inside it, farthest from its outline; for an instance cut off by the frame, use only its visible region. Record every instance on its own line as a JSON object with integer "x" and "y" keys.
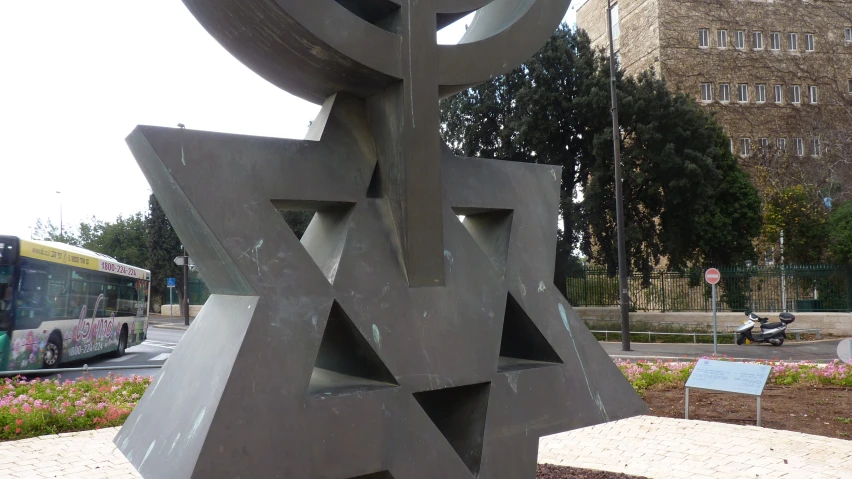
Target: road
{"x": 825, "y": 350}
{"x": 161, "y": 342}
{"x": 153, "y": 351}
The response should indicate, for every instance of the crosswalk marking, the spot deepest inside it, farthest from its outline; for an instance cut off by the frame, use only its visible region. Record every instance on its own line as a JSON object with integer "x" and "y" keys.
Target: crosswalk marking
{"x": 123, "y": 358}
{"x": 161, "y": 357}
{"x": 160, "y": 344}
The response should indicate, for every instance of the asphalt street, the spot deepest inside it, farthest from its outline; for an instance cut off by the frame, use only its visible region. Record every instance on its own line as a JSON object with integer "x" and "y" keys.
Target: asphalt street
{"x": 153, "y": 351}
{"x": 821, "y": 351}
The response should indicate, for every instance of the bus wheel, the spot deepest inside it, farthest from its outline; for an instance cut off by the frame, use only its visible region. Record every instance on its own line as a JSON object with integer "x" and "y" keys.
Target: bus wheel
{"x": 122, "y": 343}
{"x": 52, "y": 351}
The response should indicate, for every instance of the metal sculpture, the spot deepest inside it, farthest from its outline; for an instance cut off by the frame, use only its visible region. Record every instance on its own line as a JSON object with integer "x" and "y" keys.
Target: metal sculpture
{"x": 394, "y": 339}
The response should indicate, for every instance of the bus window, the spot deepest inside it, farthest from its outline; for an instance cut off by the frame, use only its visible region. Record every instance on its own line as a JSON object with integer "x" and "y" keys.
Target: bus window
{"x": 127, "y": 298}
{"x": 57, "y": 291}
{"x": 32, "y": 305}
{"x": 5, "y": 296}
{"x": 77, "y": 298}
{"x": 111, "y": 299}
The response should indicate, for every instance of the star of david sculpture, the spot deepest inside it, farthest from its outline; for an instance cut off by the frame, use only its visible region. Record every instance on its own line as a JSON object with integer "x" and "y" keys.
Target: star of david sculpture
{"x": 395, "y": 339}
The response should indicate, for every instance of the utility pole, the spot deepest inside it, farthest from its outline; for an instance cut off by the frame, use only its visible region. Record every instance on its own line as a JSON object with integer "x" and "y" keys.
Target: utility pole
{"x": 186, "y": 287}
{"x": 624, "y": 301}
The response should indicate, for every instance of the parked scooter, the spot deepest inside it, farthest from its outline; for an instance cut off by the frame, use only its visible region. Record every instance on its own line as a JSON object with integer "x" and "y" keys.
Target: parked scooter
{"x": 772, "y": 333}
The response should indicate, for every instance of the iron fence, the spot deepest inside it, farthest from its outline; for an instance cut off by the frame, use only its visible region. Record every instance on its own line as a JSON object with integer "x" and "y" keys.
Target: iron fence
{"x": 800, "y": 288}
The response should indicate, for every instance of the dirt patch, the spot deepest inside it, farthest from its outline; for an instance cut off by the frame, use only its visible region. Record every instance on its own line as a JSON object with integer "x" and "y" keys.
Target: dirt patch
{"x": 824, "y": 411}
{"x": 548, "y": 471}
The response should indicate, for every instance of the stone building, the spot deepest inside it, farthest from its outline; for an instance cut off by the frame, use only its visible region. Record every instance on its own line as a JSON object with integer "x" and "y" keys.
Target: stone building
{"x": 778, "y": 75}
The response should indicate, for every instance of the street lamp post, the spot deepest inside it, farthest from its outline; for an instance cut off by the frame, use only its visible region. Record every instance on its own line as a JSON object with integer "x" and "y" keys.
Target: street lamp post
{"x": 60, "y": 213}
{"x": 624, "y": 300}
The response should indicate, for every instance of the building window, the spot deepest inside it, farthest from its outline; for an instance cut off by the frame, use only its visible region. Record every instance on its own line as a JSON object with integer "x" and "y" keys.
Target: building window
{"x": 775, "y": 41}
{"x": 797, "y": 95}
{"x": 707, "y": 92}
{"x": 703, "y": 38}
{"x": 742, "y": 92}
{"x": 850, "y": 85}
{"x": 616, "y": 26}
{"x": 745, "y": 146}
{"x": 740, "y": 40}
{"x": 724, "y": 92}
{"x": 757, "y": 40}
{"x": 779, "y": 94}
{"x": 732, "y": 145}
{"x": 793, "y": 41}
{"x": 722, "y": 39}
{"x": 781, "y": 144}
{"x": 800, "y": 147}
{"x": 809, "y": 42}
{"x": 764, "y": 144}
{"x": 848, "y": 33}
{"x": 760, "y": 91}
{"x": 815, "y": 149}
{"x": 813, "y": 94}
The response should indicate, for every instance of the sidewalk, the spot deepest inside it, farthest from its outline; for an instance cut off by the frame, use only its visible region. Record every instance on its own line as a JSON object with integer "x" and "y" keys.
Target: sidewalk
{"x": 166, "y": 322}
{"x": 647, "y": 446}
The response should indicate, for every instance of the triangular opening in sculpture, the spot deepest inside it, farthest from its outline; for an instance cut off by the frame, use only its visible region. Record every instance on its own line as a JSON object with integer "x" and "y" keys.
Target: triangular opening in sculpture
{"x": 321, "y": 226}
{"x": 346, "y": 363}
{"x": 491, "y": 229}
{"x": 522, "y": 345}
{"x": 460, "y": 413}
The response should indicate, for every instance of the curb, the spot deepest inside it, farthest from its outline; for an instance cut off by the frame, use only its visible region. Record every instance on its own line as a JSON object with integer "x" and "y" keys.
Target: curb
{"x": 170, "y": 326}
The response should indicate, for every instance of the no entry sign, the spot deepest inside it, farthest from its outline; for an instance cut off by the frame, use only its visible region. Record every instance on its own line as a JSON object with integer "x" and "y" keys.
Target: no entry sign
{"x": 712, "y": 275}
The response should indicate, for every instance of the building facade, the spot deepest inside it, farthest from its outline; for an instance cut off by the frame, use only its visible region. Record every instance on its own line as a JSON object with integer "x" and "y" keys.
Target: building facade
{"x": 777, "y": 74}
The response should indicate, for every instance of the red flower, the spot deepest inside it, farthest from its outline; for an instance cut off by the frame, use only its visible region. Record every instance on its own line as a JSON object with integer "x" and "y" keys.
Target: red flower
{"x": 19, "y": 421}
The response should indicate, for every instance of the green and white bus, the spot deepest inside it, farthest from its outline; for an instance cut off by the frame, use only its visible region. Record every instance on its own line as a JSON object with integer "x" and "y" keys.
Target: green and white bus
{"x": 61, "y": 303}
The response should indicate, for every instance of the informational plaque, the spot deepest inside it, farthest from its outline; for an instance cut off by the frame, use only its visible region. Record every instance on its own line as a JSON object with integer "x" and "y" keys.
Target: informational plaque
{"x": 727, "y": 376}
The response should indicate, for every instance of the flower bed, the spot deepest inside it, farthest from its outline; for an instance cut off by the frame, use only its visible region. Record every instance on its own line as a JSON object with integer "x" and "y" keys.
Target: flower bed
{"x": 645, "y": 374}
{"x": 30, "y": 408}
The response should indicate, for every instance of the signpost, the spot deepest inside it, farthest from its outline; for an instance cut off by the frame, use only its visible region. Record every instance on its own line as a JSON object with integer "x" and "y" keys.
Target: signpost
{"x": 729, "y": 377}
{"x": 713, "y": 276}
{"x": 170, "y": 282}
{"x": 184, "y": 261}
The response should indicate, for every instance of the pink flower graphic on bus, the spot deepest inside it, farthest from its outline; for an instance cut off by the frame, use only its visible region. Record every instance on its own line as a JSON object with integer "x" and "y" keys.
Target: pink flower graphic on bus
{"x": 30, "y": 341}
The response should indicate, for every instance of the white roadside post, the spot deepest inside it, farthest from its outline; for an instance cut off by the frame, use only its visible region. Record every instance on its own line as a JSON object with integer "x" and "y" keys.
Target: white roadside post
{"x": 713, "y": 276}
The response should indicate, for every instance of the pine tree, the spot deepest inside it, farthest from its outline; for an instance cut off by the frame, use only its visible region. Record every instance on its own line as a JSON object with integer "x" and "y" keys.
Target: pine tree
{"x": 163, "y": 246}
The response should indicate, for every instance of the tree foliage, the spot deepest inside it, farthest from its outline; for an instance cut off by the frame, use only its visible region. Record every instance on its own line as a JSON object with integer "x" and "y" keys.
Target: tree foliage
{"x": 840, "y": 233}
{"x": 804, "y": 220}
{"x": 686, "y": 198}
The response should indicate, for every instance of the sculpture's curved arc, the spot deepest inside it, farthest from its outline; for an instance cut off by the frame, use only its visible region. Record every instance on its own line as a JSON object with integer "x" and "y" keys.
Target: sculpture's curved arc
{"x": 277, "y": 46}
{"x": 515, "y": 29}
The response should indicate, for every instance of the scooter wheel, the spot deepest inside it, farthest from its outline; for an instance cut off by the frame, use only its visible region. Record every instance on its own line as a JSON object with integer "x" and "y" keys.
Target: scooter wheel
{"x": 740, "y": 339}
{"x": 777, "y": 342}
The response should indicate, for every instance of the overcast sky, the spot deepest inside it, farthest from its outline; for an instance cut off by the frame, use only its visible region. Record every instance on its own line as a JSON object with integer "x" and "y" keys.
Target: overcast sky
{"x": 77, "y": 76}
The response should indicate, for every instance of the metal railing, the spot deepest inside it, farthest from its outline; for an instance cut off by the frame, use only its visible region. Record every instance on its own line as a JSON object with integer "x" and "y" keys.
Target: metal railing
{"x": 796, "y": 332}
{"x": 766, "y": 289}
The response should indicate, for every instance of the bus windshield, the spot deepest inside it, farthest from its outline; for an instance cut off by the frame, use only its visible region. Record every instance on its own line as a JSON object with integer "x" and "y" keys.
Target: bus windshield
{"x": 8, "y": 257}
